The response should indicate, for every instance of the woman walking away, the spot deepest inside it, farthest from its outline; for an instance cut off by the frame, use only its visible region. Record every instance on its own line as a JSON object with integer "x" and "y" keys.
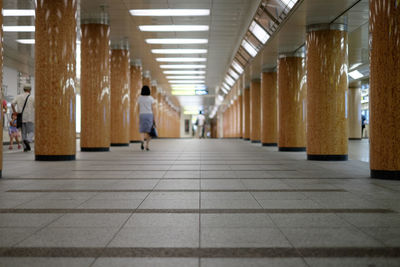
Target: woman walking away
{"x": 146, "y": 116}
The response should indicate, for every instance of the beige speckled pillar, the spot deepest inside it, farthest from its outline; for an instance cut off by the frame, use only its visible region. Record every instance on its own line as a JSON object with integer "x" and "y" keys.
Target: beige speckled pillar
{"x": 292, "y": 103}
{"x": 146, "y": 81}
{"x": 136, "y": 87}
{"x": 246, "y": 113}
{"x": 120, "y": 97}
{"x": 255, "y": 111}
{"x": 55, "y": 79}
{"x": 1, "y": 84}
{"x": 240, "y": 116}
{"x": 95, "y": 86}
{"x": 384, "y": 89}
{"x": 327, "y": 85}
{"x": 354, "y": 110}
{"x": 269, "y": 105}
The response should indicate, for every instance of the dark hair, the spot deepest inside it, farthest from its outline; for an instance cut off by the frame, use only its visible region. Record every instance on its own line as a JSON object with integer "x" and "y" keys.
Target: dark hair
{"x": 145, "y": 90}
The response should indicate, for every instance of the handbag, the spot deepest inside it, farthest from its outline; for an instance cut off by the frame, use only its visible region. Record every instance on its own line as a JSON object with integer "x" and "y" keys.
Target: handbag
{"x": 153, "y": 132}
{"x": 19, "y": 115}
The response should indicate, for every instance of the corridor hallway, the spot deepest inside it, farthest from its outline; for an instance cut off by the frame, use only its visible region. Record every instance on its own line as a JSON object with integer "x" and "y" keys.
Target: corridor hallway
{"x": 196, "y": 203}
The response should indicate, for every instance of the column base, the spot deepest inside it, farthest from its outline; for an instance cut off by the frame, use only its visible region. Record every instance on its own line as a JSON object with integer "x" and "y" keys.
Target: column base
{"x": 54, "y": 157}
{"x": 1, "y": 173}
{"x": 135, "y": 141}
{"x": 269, "y": 144}
{"x": 246, "y": 139}
{"x": 119, "y": 144}
{"x": 389, "y": 175}
{"x": 327, "y": 157}
{"x": 94, "y": 149}
{"x": 256, "y": 141}
{"x": 292, "y": 149}
{"x": 355, "y": 138}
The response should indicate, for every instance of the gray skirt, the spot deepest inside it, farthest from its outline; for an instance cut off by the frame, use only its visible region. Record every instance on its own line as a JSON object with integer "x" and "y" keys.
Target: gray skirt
{"x": 145, "y": 122}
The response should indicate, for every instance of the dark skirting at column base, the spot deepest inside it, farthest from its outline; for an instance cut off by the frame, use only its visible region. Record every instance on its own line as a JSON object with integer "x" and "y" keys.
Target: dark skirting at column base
{"x": 54, "y": 157}
{"x": 135, "y": 141}
{"x": 269, "y": 144}
{"x": 95, "y": 149}
{"x": 328, "y": 157}
{"x": 389, "y": 175}
{"x": 119, "y": 144}
{"x": 256, "y": 141}
{"x": 355, "y": 138}
{"x": 292, "y": 149}
{"x": 246, "y": 139}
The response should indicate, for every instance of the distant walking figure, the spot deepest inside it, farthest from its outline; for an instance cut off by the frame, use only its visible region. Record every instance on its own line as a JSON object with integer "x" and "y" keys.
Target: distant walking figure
{"x": 146, "y": 116}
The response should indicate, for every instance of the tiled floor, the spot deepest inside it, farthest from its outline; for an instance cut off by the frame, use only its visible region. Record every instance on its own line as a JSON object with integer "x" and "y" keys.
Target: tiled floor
{"x": 197, "y": 203}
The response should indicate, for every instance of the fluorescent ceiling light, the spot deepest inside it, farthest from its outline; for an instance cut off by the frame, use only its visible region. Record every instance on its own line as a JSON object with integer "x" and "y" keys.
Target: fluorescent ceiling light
{"x": 259, "y": 32}
{"x": 26, "y": 41}
{"x": 179, "y": 51}
{"x": 19, "y": 28}
{"x": 289, "y": 3}
{"x": 355, "y": 74}
{"x": 233, "y": 74}
{"x": 224, "y": 90}
{"x": 183, "y": 81}
{"x": 188, "y": 86}
{"x": 227, "y": 87}
{"x": 184, "y": 72}
{"x": 249, "y": 48}
{"x": 19, "y": 12}
{"x": 183, "y": 92}
{"x": 220, "y": 97}
{"x": 173, "y": 28}
{"x": 181, "y": 59}
{"x": 185, "y": 77}
{"x": 170, "y": 12}
{"x": 355, "y": 66}
{"x": 183, "y": 66}
{"x": 237, "y": 67}
{"x": 176, "y": 41}
{"x": 229, "y": 80}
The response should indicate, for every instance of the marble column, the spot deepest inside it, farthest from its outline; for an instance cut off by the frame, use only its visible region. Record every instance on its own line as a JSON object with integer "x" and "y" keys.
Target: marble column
{"x": 120, "y": 97}
{"x": 269, "y": 105}
{"x": 255, "y": 114}
{"x": 327, "y": 85}
{"x": 246, "y": 113}
{"x": 354, "y": 109}
{"x": 292, "y": 103}
{"x": 146, "y": 81}
{"x": 240, "y": 116}
{"x": 55, "y": 79}
{"x": 384, "y": 89}
{"x": 1, "y": 84}
{"x": 95, "y": 85}
{"x": 135, "y": 89}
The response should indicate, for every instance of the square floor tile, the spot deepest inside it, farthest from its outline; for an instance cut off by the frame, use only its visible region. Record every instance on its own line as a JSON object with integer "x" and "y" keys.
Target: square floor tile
{"x": 146, "y": 262}
{"x": 46, "y": 262}
{"x": 249, "y": 220}
{"x": 308, "y": 220}
{"x": 90, "y": 220}
{"x": 163, "y": 220}
{"x": 229, "y": 204}
{"x": 12, "y": 235}
{"x": 170, "y": 204}
{"x": 111, "y": 204}
{"x": 261, "y": 262}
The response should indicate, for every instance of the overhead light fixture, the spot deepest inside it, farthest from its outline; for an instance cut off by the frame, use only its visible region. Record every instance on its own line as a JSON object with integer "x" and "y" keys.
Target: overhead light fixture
{"x": 188, "y": 86}
{"x": 18, "y": 12}
{"x": 183, "y": 81}
{"x": 169, "y": 12}
{"x": 233, "y": 74}
{"x": 181, "y": 59}
{"x": 183, "y": 92}
{"x": 26, "y": 41}
{"x": 224, "y": 90}
{"x": 229, "y": 80}
{"x": 173, "y": 28}
{"x": 237, "y": 67}
{"x": 183, "y": 66}
{"x": 259, "y": 32}
{"x": 179, "y": 51}
{"x": 355, "y": 66}
{"x": 355, "y": 74}
{"x": 184, "y": 72}
{"x": 176, "y": 41}
{"x": 249, "y": 48}
{"x": 227, "y": 87}
{"x": 19, "y": 28}
{"x": 185, "y": 77}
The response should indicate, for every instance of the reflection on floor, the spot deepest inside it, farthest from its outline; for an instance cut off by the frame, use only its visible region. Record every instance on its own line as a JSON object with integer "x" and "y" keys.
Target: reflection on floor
{"x": 196, "y": 203}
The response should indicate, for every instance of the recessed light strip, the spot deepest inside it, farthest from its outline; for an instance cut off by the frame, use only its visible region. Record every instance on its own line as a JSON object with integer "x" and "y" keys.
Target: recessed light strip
{"x": 183, "y": 66}
{"x": 180, "y": 59}
{"x": 179, "y": 51}
{"x": 18, "y": 12}
{"x": 182, "y": 81}
{"x": 170, "y": 12}
{"x": 173, "y": 28}
{"x": 176, "y": 41}
{"x": 188, "y": 77}
{"x": 184, "y": 72}
{"x": 18, "y": 28}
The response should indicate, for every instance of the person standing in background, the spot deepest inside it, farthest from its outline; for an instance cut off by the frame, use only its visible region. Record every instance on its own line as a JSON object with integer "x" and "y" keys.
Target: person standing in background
{"x": 28, "y": 115}
{"x": 201, "y": 119}
{"x": 146, "y": 116}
